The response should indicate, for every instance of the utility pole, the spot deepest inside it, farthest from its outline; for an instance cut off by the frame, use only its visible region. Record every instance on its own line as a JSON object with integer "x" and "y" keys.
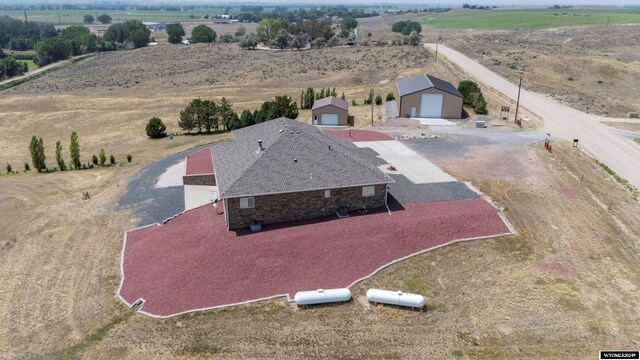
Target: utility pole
{"x": 518, "y": 102}
{"x": 25, "y": 17}
{"x": 371, "y": 101}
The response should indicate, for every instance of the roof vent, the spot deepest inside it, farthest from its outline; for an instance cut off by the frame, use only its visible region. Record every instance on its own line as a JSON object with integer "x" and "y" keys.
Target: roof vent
{"x": 295, "y": 160}
{"x": 280, "y": 131}
{"x": 260, "y": 148}
{"x": 297, "y": 131}
{"x": 329, "y": 147}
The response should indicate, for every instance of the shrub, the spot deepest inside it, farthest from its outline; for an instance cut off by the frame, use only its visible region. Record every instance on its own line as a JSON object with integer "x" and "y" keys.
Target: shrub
{"x": 103, "y": 157}
{"x": 378, "y": 100}
{"x": 26, "y": 166}
{"x": 74, "y": 150}
{"x": 350, "y": 120}
{"x": 155, "y": 128}
{"x": 8, "y": 168}
{"x": 353, "y": 102}
{"x": 203, "y": 34}
{"x": 112, "y": 160}
{"x": 94, "y": 159}
{"x": 128, "y": 158}
{"x": 390, "y": 97}
{"x": 469, "y": 90}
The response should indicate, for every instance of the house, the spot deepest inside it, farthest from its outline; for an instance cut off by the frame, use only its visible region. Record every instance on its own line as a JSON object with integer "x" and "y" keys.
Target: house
{"x": 330, "y": 111}
{"x": 283, "y": 170}
{"x": 426, "y": 96}
{"x": 154, "y": 26}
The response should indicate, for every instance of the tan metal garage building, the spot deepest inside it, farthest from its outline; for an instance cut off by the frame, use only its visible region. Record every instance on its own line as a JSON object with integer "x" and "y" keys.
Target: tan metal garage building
{"x": 426, "y": 96}
{"x": 330, "y": 111}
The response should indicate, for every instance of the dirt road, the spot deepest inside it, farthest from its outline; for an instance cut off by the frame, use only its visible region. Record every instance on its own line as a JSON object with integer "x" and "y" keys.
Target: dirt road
{"x": 618, "y": 152}
{"x": 44, "y": 68}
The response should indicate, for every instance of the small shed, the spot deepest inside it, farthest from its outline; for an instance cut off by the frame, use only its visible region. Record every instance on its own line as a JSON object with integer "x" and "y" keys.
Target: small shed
{"x": 426, "y": 96}
{"x": 330, "y": 111}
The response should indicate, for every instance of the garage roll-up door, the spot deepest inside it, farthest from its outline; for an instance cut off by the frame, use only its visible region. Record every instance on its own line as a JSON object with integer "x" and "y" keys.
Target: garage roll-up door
{"x": 329, "y": 119}
{"x": 431, "y": 106}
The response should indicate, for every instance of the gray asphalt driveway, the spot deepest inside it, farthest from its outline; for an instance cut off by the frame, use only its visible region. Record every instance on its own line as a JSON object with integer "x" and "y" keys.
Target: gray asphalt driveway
{"x": 150, "y": 204}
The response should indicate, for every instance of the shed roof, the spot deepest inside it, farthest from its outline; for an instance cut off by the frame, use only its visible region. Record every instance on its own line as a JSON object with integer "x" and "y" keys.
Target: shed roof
{"x": 331, "y": 100}
{"x": 296, "y": 157}
{"x": 423, "y": 82}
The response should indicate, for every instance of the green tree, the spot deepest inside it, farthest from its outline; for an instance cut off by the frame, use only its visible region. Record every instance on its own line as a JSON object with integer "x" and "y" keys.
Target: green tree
{"x": 74, "y": 150}
{"x": 9, "y": 169}
{"x": 282, "y": 39}
{"x": 102, "y": 156}
{"x": 300, "y": 40}
{"x": 378, "y": 100}
{"x": 129, "y": 158}
{"x": 268, "y": 28}
{"x": 104, "y": 19}
{"x": 155, "y": 128}
{"x": 88, "y": 19}
{"x": 225, "y": 113}
{"x": 52, "y": 50}
{"x": 246, "y": 119}
{"x": 234, "y": 122}
{"x": 480, "y": 105}
{"x": 59, "y": 158}
{"x": 249, "y": 42}
{"x": 26, "y": 166}
{"x": 188, "y": 121}
{"x": 349, "y": 23}
{"x": 242, "y": 31}
{"x": 36, "y": 148}
{"x": 203, "y": 34}
{"x": 112, "y": 160}
{"x": 94, "y": 159}
{"x": 469, "y": 90}
{"x": 132, "y": 31}
{"x": 390, "y": 97}
{"x": 342, "y": 96}
{"x": 10, "y": 67}
{"x": 414, "y": 39}
{"x": 175, "y": 32}
{"x": 281, "y": 106}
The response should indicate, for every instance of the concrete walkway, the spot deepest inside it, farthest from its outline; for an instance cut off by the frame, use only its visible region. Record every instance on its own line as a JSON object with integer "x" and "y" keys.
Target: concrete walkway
{"x": 434, "y": 122}
{"x": 408, "y": 163}
{"x": 615, "y": 150}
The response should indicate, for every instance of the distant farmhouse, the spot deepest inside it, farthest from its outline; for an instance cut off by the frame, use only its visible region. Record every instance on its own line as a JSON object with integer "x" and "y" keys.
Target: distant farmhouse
{"x": 154, "y": 26}
{"x": 426, "y": 96}
{"x": 283, "y": 170}
{"x": 330, "y": 111}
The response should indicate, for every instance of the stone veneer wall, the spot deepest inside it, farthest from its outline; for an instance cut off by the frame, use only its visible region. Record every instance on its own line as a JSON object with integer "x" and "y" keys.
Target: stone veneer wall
{"x": 208, "y": 180}
{"x": 270, "y": 209}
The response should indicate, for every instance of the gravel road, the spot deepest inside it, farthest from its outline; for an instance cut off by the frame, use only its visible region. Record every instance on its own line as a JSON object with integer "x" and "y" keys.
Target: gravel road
{"x": 612, "y": 148}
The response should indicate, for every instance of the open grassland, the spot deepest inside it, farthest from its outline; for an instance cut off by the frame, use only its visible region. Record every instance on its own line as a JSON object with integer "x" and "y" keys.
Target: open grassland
{"x": 529, "y": 18}
{"x": 593, "y": 69}
{"x": 30, "y": 64}
{"x": 564, "y": 287}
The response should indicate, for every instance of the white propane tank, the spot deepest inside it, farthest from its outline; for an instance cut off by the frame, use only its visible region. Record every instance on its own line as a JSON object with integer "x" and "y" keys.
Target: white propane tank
{"x": 322, "y": 296}
{"x": 395, "y": 298}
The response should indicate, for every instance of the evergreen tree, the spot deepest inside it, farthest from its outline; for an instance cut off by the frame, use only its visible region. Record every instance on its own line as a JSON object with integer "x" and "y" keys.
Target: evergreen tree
{"x": 74, "y": 150}
{"x": 155, "y": 128}
{"x": 246, "y": 119}
{"x": 333, "y": 92}
{"x": 225, "y": 113}
{"x": 103, "y": 157}
{"x": 112, "y": 159}
{"x": 36, "y": 148}
{"x": 342, "y": 97}
{"x": 59, "y": 158}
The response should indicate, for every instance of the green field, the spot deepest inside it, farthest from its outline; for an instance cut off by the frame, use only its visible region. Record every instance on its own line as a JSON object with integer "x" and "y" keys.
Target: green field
{"x": 32, "y": 65}
{"x": 529, "y": 19}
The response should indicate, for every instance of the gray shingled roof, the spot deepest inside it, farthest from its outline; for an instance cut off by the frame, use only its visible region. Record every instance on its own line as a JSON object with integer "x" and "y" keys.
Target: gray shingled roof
{"x": 299, "y": 158}
{"x": 423, "y": 82}
{"x": 331, "y": 100}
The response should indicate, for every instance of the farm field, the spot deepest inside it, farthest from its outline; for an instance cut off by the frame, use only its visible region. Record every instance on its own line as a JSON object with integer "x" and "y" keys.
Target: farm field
{"x": 528, "y": 18}
{"x": 565, "y": 286}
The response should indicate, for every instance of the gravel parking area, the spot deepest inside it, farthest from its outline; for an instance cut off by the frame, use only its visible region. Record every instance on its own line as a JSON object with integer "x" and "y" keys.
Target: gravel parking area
{"x": 192, "y": 263}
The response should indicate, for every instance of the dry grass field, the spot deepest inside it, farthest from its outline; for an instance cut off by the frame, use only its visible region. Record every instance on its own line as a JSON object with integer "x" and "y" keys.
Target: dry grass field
{"x": 564, "y": 287}
{"x": 593, "y": 69}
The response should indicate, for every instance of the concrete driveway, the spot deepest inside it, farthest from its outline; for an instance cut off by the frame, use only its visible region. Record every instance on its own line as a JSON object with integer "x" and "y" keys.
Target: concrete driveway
{"x": 611, "y": 147}
{"x": 407, "y": 162}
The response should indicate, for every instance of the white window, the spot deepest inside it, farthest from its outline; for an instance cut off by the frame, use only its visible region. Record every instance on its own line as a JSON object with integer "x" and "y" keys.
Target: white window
{"x": 247, "y": 203}
{"x": 327, "y": 194}
{"x": 368, "y": 191}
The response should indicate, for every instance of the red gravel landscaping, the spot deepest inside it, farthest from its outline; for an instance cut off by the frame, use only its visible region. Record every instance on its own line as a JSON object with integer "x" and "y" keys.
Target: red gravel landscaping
{"x": 192, "y": 262}
{"x": 360, "y": 135}
{"x": 200, "y": 163}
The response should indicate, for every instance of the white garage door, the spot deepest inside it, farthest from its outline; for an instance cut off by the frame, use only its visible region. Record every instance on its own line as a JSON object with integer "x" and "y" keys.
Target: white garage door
{"x": 431, "y": 106}
{"x": 329, "y": 119}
